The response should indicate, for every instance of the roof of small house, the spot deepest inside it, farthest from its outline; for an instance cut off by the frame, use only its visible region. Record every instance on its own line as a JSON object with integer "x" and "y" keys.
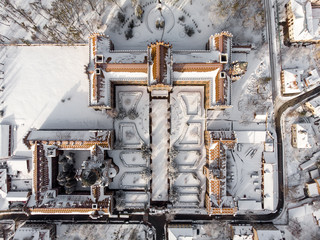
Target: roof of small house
{"x": 306, "y": 20}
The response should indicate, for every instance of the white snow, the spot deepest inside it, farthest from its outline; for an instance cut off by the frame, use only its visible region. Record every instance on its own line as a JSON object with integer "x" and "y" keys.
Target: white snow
{"x": 313, "y": 189}
{"x": 269, "y": 234}
{"x": 101, "y": 231}
{"x": 46, "y": 87}
{"x": 18, "y": 164}
{"x": 242, "y": 232}
{"x": 180, "y": 233}
{"x": 292, "y": 81}
{"x": 34, "y": 233}
{"x": 249, "y": 205}
{"x": 17, "y": 196}
{"x": 300, "y": 135}
{"x": 313, "y": 78}
{"x": 252, "y": 137}
{"x": 160, "y": 148}
{"x": 4, "y": 141}
{"x": 72, "y": 135}
{"x": 270, "y": 186}
{"x": 306, "y": 20}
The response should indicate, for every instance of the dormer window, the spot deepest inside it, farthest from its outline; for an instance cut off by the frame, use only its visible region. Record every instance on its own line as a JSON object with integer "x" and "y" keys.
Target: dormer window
{"x": 99, "y": 59}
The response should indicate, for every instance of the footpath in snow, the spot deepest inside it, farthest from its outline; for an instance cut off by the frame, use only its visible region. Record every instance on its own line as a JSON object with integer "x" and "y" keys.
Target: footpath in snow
{"x": 159, "y": 147}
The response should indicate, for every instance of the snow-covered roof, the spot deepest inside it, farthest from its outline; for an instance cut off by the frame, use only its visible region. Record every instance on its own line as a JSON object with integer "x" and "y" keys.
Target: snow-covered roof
{"x": 314, "y": 173}
{"x": 3, "y": 183}
{"x": 267, "y": 234}
{"x": 32, "y": 233}
{"x": 316, "y": 214}
{"x": 242, "y": 237}
{"x": 69, "y": 135}
{"x": 300, "y": 135}
{"x": 159, "y": 150}
{"x": 313, "y": 189}
{"x": 260, "y": 116}
{"x": 4, "y": 140}
{"x": 101, "y": 45}
{"x": 309, "y": 163}
{"x": 242, "y": 232}
{"x": 314, "y": 106}
{"x": 305, "y": 20}
{"x": 250, "y": 136}
{"x": 301, "y": 211}
{"x": 270, "y": 157}
{"x": 249, "y": 204}
{"x": 291, "y": 81}
{"x": 196, "y": 57}
{"x": 180, "y": 233}
{"x": 104, "y": 89}
{"x": 313, "y": 78}
{"x": 17, "y": 164}
{"x": 200, "y": 76}
{"x": 17, "y": 196}
{"x": 269, "y": 146}
{"x": 269, "y": 196}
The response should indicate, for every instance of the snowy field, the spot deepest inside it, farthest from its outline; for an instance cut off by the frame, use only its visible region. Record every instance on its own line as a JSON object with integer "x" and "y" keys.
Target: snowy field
{"x": 46, "y": 87}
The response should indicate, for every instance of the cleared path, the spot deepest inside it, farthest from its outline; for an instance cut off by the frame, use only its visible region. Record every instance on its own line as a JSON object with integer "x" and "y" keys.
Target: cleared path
{"x": 159, "y": 148}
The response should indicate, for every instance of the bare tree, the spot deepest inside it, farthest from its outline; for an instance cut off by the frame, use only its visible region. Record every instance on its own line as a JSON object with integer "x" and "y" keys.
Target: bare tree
{"x": 218, "y": 230}
{"x": 294, "y": 227}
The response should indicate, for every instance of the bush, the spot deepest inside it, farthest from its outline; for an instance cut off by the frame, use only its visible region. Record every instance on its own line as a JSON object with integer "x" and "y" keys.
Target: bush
{"x": 129, "y": 33}
{"x": 181, "y": 19}
{"x": 121, "y": 17}
{"x": 188, "y": 30}
{"x": 131, "y": 24}
{"x": 132, "y": 114}
{"x": 139, "y": 12}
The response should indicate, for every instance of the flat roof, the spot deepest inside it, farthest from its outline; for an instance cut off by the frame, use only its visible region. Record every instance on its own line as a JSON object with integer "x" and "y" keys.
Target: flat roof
{"x": 250, "y": 136}
{"x": 17, "y": 196}
{"x": 4, "y": 140}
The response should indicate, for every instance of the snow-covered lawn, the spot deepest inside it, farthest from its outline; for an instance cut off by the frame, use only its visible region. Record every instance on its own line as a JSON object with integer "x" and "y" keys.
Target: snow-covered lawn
{"x": 187, "y": 117}
{"x": 46, "y": 87}
{"x": 129, "y": 175}
{"x": 132, "y": 133}
{"x": 187, "y": 128}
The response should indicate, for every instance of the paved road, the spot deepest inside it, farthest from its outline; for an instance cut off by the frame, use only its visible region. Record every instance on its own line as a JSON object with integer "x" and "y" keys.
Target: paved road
{"x": 269, "y": 15}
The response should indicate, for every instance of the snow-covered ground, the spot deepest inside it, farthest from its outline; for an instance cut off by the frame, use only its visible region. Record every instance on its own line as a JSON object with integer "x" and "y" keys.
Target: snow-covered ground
{"x": 160, "y": 146}
{"x": 132, "y": 133}
{"x": 47, "y": 21}
{"x": 129, "y": 175}
{"x": 187, "y": 128}
{"x": 302, "y": 223}
{"x": 46, "y": 87}
{"x": 103, "y": 231}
